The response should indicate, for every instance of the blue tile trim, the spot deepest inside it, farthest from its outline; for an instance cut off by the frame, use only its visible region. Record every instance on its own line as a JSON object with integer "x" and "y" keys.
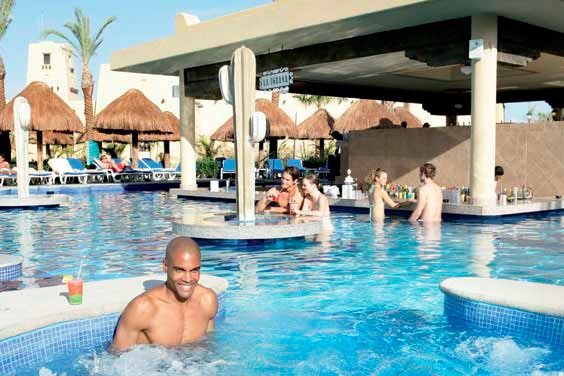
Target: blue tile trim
{"x": 10, "y": 272}
{"x": 504, "y": 320}
{"x": 42, "y": 345}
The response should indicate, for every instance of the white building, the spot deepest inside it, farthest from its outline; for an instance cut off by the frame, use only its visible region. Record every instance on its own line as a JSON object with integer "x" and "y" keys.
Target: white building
{"x": 53, "y": 63}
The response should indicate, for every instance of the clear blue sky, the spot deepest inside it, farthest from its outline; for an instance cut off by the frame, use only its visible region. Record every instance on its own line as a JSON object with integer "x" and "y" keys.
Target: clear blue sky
{"x": 138, "y": 21}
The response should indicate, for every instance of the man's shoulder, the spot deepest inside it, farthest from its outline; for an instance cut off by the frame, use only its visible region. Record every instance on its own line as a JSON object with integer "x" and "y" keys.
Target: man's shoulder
{"x": 208, "y": 299}
{"x": 145, "y": 302}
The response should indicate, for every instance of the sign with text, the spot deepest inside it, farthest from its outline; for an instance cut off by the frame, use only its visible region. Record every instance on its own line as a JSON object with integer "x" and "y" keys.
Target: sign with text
{"x": 276, "y": 80}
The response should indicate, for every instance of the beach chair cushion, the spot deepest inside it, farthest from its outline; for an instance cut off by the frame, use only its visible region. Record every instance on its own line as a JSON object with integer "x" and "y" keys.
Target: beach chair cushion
{"x": 229, "y": 166}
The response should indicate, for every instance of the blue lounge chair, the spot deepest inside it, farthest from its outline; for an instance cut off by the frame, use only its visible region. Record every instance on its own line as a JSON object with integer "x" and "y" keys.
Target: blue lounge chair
{"x": 228, "y": 167}
{"x": 159, "y": 172}
{"x": 297, "y": 163}
{"x": 65, "y": 172}
{"x": 93, "y": 175}
{"x": 7, "y": 177}
{"x": 118, "y": 177}
{"x": 275, "y": 166}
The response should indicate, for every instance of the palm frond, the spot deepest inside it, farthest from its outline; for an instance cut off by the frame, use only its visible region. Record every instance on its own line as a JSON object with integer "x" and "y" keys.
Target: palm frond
{"x": 105, "y": 24}
{"x": 5, "y": 17}
{"x": 79, "y": 35}
{"x": 56, "y": 33}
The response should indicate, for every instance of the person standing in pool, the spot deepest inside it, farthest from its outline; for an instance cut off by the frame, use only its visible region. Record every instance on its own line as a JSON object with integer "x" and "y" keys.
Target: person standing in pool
{"x": 377, "y": 195}
{"x": 429, "y": 196}
{"x": 177, "y": 312}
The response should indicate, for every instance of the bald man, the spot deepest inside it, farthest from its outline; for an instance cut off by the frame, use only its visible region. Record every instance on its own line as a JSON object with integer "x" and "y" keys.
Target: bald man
{"x": 178, "y": 312}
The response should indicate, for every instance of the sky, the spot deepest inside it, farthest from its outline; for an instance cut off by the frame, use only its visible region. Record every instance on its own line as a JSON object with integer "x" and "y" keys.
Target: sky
{"x": 138, "y": 21}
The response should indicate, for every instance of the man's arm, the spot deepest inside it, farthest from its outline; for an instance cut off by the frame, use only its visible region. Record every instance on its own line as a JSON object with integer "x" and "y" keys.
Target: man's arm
{"x": 265, "y": 200}
{"x": 134, "y": 319}
{"x": 209, "y": 305}
{"x": 421, "y": 202}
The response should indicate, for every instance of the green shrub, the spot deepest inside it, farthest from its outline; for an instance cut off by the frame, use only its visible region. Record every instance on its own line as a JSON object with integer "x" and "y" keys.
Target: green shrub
{"x": 206, "y": 168}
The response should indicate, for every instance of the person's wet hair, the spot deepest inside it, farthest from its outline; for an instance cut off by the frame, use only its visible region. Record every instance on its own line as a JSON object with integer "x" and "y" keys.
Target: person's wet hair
{"x": 499, "y": 171}
{"x": 293, "y": 171}
{"x": 428, "y": 169}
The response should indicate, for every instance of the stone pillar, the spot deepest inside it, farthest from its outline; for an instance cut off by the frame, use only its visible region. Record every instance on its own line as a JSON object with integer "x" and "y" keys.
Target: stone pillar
{"x": 188, "y": 154}
{"x": 243, "y": 66}
{"x": 451, "y": 121}
{"x": 484, "y": 86}
{"x": 500, "y": 113}
{"x": 21, "y": 132}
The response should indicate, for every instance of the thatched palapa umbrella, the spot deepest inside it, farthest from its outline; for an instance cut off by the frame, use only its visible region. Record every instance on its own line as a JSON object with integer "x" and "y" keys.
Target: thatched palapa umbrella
{"x": 48, "y": 113}
{"x": 132, "y": 113}
{"x": 279, "y": 125}
{"x": 165, "y": 137}
{"x": 404, "y": 115}
{"x": 317, "y": 127}
{"x": 365, "y": 114}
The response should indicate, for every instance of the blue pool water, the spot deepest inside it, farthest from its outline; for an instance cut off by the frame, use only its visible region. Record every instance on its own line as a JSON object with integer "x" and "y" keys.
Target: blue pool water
{"x": 364, "y": 301}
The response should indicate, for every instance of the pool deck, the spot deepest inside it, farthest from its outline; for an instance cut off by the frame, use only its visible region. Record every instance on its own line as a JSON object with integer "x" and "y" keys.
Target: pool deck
{"x": 537, "y": 205}
{"x": 50, "y": 304}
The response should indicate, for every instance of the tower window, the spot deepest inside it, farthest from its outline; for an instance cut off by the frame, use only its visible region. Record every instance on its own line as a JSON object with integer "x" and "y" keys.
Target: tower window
{"x": 46, "y": 59}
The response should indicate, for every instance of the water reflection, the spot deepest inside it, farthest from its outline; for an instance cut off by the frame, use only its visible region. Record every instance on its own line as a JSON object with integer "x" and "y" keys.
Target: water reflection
{"x": 428, "y": 235}
{"x": 483, "y": 253}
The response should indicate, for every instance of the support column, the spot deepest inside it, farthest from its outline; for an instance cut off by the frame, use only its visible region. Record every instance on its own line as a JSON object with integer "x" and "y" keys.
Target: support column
{"x": 187, "y": 138}
{"x": 500, "y": 113}
{"x": 134, "y": 149}
{"x": 484, "y": 87}
{"x": 39, "y": 144}
{"x": 166, "y": 154}
{"x": 243, "y": 67}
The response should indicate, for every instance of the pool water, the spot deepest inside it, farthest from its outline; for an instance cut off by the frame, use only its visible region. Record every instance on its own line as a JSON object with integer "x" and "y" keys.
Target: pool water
{"x": 363, "y": 301}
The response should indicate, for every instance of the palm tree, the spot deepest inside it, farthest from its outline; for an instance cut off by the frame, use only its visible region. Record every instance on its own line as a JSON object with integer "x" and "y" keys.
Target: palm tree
{"x": 5, "y": 20}
{"x": 317, "y": 100}
{"x": 85, "y": 46}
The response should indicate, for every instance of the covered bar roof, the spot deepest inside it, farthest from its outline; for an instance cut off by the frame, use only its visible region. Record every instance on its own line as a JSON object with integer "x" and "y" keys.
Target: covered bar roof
{"x": 402, "y": 50}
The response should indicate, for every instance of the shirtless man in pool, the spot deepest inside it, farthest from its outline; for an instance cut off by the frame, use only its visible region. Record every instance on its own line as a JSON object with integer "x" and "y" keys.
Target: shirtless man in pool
{"x": 177, "y": 312}
{"x": 429, "y": 196}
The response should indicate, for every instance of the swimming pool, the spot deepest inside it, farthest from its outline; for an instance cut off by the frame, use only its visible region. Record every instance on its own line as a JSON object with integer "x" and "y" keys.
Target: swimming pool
{"x": 364, "y": 302}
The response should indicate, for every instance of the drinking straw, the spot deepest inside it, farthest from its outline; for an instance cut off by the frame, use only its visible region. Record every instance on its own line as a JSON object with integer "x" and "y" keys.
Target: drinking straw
{"x": 80, "y": 268}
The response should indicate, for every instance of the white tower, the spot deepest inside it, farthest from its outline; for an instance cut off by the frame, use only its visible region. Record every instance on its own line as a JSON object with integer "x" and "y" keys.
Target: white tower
{"x": 53, "y": 63}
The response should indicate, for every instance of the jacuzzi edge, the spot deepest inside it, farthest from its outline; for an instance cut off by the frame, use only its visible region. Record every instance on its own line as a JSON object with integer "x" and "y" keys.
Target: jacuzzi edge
{"x": 23, "y": 311}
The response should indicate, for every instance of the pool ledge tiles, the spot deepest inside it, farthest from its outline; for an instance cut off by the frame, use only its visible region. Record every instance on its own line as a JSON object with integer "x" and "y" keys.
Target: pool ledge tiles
{"x": 38, "y": 323}
{"x": 516, "y": 308}
{"x": 10, "y": 267}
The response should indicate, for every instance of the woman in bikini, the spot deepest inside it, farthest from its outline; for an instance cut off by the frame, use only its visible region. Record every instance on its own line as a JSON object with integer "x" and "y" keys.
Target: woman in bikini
{"x": 315, "y": 202}
{"x": 377, "y": 195}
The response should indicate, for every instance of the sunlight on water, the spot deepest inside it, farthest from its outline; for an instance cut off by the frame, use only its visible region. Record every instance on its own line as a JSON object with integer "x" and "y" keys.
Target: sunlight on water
{"x": 363, "y": 302}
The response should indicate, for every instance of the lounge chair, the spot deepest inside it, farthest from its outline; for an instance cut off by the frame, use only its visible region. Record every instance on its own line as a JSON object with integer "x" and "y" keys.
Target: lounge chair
{"x": 275, "y": 166}
{"x": 93, "y": 175}
{"x": 7, "y": 176}
{"x": 159, "y": 172}
{"x": 62, "y": 168}
{"x": 43, "y": 177}
{"x": 118, "y": 177}
{"x": 227, "y": 167}
{"x": 297, "y": 163}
